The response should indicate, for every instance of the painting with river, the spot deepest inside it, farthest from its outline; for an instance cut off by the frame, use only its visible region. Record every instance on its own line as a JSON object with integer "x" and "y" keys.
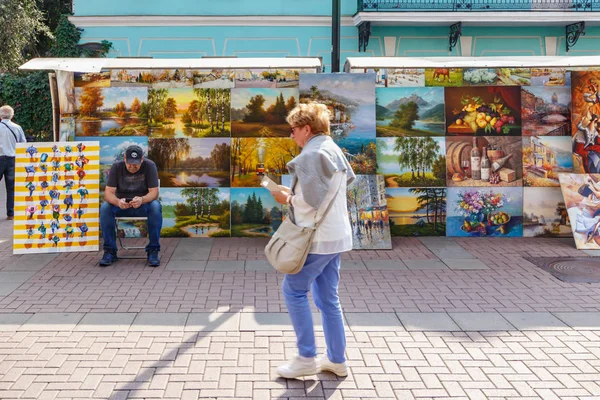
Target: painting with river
{"x": 195, "y": 212}
{"x": 111, "y": 111}
{"x": 184, "y": 162}
{"x": 410, "y": 111}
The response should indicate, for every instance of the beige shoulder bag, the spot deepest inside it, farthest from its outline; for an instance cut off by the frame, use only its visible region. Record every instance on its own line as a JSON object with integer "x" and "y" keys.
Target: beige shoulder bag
{"x": 288, "y": 248}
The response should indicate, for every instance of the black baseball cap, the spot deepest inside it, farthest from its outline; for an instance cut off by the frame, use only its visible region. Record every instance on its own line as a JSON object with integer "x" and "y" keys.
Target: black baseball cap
{"x": 134, "y": 154}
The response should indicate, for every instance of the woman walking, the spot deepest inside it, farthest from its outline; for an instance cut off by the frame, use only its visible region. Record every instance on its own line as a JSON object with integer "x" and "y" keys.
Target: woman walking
{"x": 320, "y": 175}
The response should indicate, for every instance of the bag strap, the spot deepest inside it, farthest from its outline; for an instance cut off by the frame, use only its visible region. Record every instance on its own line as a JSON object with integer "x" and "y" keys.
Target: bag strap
{"x": 11, "y": 131}
{"x": 340, "y": 176}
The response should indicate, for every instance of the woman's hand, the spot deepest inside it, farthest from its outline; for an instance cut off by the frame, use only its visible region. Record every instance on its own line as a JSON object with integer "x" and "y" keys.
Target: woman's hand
{"x": 280, "y": 197}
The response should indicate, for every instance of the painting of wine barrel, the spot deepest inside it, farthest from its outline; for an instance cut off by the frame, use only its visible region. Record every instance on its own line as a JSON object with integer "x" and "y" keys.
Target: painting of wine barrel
{"x": 455, "y": 153}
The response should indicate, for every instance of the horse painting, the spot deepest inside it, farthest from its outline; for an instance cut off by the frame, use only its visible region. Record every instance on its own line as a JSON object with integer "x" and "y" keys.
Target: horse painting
{"x": 443, "y": 73}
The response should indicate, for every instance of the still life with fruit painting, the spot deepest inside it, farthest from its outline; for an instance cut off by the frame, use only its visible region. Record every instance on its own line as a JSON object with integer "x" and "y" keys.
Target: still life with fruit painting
{"x": 483, "y": 110}
{"x": 475, "y": 212}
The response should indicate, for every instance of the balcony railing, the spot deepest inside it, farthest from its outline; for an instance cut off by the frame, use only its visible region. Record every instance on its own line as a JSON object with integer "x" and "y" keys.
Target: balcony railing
{"x": 478, "y": 5}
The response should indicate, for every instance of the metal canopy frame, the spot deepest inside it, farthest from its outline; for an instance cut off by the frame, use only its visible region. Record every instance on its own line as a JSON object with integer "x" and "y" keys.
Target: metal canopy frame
{"x": 99, "y": 64}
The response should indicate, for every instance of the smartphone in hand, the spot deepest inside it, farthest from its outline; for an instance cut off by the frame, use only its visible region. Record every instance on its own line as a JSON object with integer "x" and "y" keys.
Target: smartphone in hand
{"x": 269, "y": 184}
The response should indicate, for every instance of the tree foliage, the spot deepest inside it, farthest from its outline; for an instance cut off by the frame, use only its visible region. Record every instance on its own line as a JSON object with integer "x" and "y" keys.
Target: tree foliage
{"x": 22, "y": 29}
{"x": 22, "y": 23}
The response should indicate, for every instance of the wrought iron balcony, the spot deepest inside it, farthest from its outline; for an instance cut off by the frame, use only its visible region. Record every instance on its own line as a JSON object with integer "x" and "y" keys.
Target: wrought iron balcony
{"x": 478, "y": 5}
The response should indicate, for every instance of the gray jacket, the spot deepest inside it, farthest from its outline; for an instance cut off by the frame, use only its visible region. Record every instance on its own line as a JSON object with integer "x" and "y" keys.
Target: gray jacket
{"x": 314, "y": 168}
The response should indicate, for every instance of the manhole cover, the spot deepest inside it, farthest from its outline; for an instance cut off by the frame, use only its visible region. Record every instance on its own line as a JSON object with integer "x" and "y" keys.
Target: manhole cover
{"x": 570, "y": 269}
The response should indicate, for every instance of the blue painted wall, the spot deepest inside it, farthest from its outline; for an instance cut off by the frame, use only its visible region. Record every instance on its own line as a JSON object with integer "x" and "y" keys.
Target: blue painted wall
{"x": 206, "y": 7}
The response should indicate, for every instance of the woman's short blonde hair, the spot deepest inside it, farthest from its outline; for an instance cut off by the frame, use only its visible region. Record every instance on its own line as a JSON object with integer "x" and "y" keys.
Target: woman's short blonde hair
{"x": 315, "y": 115}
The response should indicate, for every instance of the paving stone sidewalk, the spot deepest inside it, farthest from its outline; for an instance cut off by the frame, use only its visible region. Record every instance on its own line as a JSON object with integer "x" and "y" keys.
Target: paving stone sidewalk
{"x": 432, "y": 318}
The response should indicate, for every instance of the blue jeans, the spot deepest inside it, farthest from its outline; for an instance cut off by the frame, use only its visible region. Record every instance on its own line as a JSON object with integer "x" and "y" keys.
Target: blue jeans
{"x": 322, "y": 272}
{"x": 108, "y": 213}
{"x": 7, "y": 171}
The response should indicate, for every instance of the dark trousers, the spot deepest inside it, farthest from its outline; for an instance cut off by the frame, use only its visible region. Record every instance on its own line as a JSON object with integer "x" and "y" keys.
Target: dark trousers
{"x": 108, "y": 213}
{"x": 7, "y": 171}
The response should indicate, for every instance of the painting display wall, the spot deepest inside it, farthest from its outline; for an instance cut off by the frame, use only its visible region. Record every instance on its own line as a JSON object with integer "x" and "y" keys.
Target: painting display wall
{"x": 436, "y": 141}
{"x": 56, "y": 197}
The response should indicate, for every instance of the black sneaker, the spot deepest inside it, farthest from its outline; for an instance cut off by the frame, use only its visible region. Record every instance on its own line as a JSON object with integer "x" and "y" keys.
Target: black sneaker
{"x": 108, "y": 259}
{"x": 153, "y": 259}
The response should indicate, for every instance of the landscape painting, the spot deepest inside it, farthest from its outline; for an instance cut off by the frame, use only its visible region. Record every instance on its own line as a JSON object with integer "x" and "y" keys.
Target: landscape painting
{"x": 261, "y": 112}
{"x": 485, "y": 212}
{"x": 397, "y": 77}
{"x": 254, "y": 213}
{"x": 581, "y": 193}
{"x": 483, "y": 111}
{"x": 410, "y": 111}
{"x": 290, "y": 78}
{"x": 112, "y": 150}
{"x": 187, "y": 112}
{"x": 350, "y": 99}
{"x": 195, "y": 212}
{"x": 546, "y": 111}
{"x": 184, "y": 162}
{"x": 585, "y": 119}
{"x": 368, "y": 212}
{"x": 253, "y": 158}
{"x": 168, "y": 78}
{"x": 92, "y": 79}
{"x": 213, "y": 79}
{"x": 66, "y": 92}
{"x": 544, "y": 158}
{"x": 545, "y": 213}
{"x": 360, "y": 153}
{"x": 549, "y": 77}
{"x": 255, "y": 78}
{"x": 412, "y": 162}
{"x": 443, "y": 77}
{"x": 513, "y": 76}
{"x": 130, "y": 77}
{"x": 417, "y": 211}
{"x": 112, "y": 111}
{"x": 480, "y": 76}
{"x": 504, "y": 153}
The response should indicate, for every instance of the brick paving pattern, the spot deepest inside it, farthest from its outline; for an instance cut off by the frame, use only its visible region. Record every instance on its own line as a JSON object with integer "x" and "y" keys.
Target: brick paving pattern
{"x": 49, "y": 352}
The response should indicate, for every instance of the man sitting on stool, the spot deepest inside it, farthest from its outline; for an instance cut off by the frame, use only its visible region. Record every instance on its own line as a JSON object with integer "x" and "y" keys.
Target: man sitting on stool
{"x": 131, "y": 191}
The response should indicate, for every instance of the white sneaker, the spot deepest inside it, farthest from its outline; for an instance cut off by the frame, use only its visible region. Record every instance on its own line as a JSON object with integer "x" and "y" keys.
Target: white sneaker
{"x": 297, "y": 367}
{"x": 323, "y": 363}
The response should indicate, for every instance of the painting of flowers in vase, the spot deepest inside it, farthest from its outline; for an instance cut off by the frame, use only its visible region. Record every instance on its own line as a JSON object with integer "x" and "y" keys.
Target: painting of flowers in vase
{"x": 485, "y": 212}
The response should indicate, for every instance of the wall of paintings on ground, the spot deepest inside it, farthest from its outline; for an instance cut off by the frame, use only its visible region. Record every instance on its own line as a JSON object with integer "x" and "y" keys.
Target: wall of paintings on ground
{"x": 412, "y": 136}
{"x": 430, "y": 121}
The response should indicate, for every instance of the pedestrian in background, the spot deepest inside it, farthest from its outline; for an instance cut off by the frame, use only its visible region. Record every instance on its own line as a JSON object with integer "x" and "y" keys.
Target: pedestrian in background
{"x": 10, "y": 135}
{"x": 320, "y": 175}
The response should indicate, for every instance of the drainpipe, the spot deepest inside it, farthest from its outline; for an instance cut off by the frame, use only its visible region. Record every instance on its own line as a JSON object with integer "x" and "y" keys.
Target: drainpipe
{"x": 336, "y": 22}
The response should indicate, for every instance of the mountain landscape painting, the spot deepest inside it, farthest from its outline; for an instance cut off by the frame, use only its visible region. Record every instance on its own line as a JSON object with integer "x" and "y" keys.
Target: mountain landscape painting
{"x": 410, "y": 111}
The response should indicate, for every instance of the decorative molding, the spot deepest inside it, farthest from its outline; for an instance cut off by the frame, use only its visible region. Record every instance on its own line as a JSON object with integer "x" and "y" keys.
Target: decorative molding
{"x": 390, "y": 45}
{"x": 474, "y": 18}
{"x": 203, "y": 20}
{"x": 595, "y": 50}
{"x": 143, "y": 39}
{"x": 550, "y": 44}
{"x": 445, "y": 38}
{"x": 504, "y": 38}
{"x": 263, "y": 39}
{"x": 466, "y": 45}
